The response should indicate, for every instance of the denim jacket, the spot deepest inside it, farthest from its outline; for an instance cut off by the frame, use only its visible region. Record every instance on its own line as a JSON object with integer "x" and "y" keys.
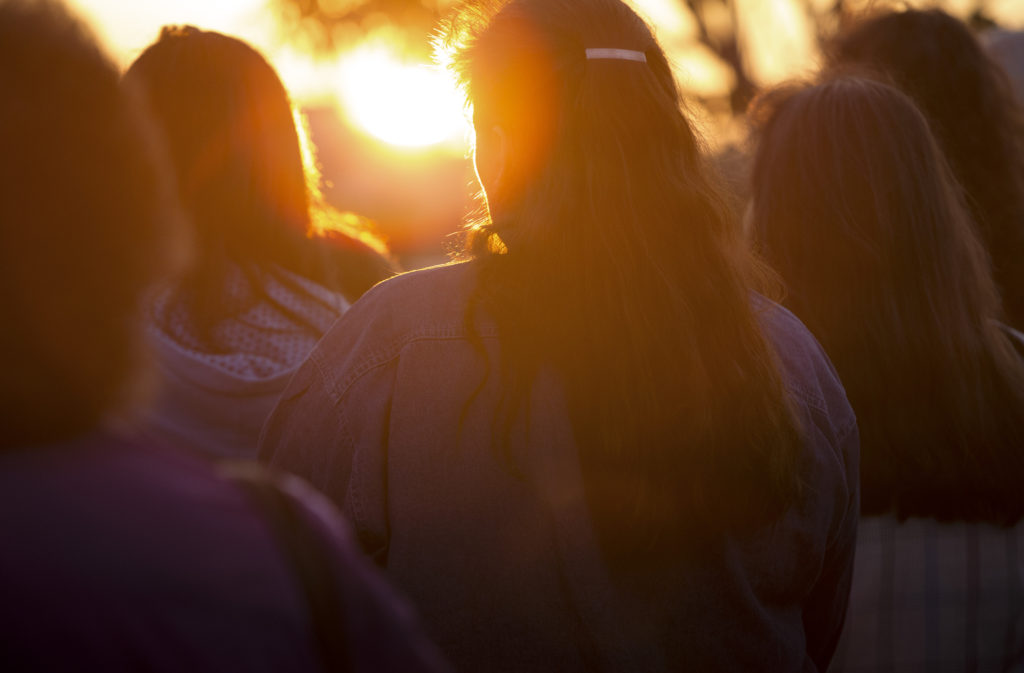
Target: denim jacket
{"x": 501, "y": 559}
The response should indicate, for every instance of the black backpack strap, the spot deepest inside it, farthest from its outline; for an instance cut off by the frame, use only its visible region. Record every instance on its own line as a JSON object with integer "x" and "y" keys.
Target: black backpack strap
{"x": 308, "y": 557}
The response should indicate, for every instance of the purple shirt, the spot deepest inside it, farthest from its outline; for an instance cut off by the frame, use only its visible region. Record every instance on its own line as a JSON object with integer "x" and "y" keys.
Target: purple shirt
{"x": 118, "y": 556}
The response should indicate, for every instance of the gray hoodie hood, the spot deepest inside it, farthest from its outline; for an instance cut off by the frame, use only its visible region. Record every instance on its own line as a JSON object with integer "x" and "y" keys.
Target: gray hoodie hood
{"x": 216, "y": 401}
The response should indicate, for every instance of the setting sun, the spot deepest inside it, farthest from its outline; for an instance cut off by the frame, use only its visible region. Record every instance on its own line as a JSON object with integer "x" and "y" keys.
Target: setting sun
{"x": 404, "y": 104}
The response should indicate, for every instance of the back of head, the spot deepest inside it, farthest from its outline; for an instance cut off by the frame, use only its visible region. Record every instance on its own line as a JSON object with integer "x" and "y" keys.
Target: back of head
{"x": 85, "y": 223}
{"x": 970, "y": 105}
{"x": 855, "y": 206}
{"x": 231, "y": 130}
{"x": 229, "y": 127}
{"x": 610, "y": 256}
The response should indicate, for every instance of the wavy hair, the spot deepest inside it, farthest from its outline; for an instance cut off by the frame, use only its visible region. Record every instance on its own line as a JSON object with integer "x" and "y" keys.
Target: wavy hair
{"x": 856, "y": 207}
{"x": 252, "y": 196}
{"x": 969, "y": 102}
{"x": 611, "y": 257}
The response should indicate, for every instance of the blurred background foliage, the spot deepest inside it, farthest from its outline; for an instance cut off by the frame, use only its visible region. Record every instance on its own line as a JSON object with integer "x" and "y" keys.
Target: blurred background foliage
{"x": 390, "y": 132}
{"x": 713, "y": 31}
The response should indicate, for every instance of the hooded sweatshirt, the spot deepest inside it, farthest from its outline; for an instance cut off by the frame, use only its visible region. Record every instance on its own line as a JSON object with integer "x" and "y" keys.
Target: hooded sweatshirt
{"x": 215, "y": 398}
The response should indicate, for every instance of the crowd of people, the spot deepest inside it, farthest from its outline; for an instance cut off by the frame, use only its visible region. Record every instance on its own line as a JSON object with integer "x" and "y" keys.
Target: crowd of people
{"x": 626, "y": 430}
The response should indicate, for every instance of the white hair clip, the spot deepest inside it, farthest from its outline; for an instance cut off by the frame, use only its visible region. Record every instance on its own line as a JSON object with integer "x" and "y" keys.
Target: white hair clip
{"x": 617, "y": 54}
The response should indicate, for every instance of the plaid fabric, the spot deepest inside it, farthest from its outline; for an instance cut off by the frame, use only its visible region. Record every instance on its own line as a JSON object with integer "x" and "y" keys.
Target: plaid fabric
{"x": 937, "y": 597}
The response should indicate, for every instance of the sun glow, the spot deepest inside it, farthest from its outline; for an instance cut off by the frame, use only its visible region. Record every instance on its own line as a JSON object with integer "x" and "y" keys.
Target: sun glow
{"x": 401, "y": 103}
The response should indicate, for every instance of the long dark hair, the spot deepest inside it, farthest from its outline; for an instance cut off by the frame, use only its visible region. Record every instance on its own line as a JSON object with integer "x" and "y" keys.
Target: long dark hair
{"x": 613, "y": 259}
{"x": 88, "y": 223}
{"x": 856, "y": 207}
{"x": 232, "y": 133}
{"x": 969, "y": 102}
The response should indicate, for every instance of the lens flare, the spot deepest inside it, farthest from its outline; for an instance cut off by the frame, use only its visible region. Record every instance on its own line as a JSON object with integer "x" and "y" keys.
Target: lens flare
{"x": 405, "y": 104}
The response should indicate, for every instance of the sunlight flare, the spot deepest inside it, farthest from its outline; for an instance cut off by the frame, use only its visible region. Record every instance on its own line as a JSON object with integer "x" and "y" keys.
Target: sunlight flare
{"x": 401, "y": 103}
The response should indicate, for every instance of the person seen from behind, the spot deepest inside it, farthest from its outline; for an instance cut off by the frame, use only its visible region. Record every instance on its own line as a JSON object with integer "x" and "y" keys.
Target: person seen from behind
{"x": 856, "y": 207}
{"x": 592, "y": 446}
{"x": 119, "y": 553}
{"x": 275, "y": 266}
{"x": 969, "y": 103}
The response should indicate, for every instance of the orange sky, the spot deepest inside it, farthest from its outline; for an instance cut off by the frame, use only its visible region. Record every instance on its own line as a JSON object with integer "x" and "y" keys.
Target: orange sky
{"x": 775, "y": 32}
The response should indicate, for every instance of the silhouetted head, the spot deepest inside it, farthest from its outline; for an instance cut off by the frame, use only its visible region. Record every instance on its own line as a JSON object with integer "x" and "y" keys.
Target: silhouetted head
{"x": 87, "y": 224}
{"x": 549, "y": 117}
{"x": 611, "y": 255}
{"x": 855, "y": 206}
{"x": 969, "y": 103}
{"x": 231, "y": 130}
{"x": 851, "y": 195}
{"x": 229, "y": 127}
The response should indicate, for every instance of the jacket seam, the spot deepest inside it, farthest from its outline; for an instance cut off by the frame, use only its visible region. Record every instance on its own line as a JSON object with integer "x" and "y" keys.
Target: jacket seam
{"x": 814, "y": 401}
{"x": 387, "y": 355}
